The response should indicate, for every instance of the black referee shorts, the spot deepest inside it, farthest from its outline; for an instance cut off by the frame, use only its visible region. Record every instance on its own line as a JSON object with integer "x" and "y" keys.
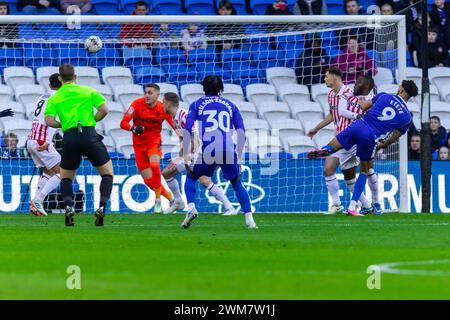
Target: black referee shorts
{"x": 88, "y": 143}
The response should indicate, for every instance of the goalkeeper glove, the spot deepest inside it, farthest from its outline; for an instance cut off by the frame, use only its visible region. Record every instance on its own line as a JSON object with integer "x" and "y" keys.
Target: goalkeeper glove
{"x": 6, "y": 113}
{"x": 137, "y": 129}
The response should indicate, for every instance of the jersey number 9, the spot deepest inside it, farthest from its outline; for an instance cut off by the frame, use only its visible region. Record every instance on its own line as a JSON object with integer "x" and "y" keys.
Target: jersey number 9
{"x": 388, "y": 114}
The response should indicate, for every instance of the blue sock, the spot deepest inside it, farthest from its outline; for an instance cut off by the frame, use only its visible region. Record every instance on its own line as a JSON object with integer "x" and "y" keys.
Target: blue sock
{"x": 359, "y": 186}
{"x": 189, "y": 189}
{"x": 242, "y": 195}
{"x": 328, "y": 148}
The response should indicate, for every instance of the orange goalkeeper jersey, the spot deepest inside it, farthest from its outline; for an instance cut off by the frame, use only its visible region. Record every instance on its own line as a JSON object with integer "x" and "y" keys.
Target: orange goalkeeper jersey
{"x": 150, "y": 119}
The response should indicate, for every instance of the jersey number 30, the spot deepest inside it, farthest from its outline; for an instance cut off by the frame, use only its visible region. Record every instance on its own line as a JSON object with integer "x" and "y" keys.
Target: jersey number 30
{"x": 222, "y": 122}
{"x": 388, "y": 113}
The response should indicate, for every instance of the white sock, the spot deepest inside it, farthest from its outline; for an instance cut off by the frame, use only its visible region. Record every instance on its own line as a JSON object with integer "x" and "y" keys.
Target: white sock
{"x": 43, "y": 178}
{"x": 352, "y": 205}
{"x": 373, "y": 184}
{"x": 333, "y": 189}
{"x": 249, "y": 218}
{"x": 191, "y": 207}
{"x": 174, "y": 187}
{"x": 48, "y": 187}
{"x": 218, "y": 193}
{"x": 351, "y": 186}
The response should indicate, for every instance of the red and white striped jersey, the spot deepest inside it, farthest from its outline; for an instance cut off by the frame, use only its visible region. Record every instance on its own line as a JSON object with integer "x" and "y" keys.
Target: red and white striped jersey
{"x": 180, "y": 119}
{"x": 40, "y": 131}
{"x": 347, "y": 99}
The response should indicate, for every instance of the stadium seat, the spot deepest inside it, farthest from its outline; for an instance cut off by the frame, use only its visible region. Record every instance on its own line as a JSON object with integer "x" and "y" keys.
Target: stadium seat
{"x": 40, "y": 57}
{"x": 415, "y": 109}
{"x": 293, "y": 46}
{"x": 383, "y": 77}
{"x": 273, "y": 110}
{"x": 280, "y": 77}
{"x": 10, "y": 57}
{"x": 298, "y": 144}
{"x": 307, "y": 111}
{"x": 87, "y": 76}
{"x": 167, "y": 57}
{"x": 199, "y": 7}
{"x": 147, "y": 75}
{"x": 237, "y": 55}
{"x": 245, "y": 74}
{"x": 115, "y": 108}
{"x": 206, "y": 69}
{"x": 445, "y": 92}
{"x": 247, "y": 110}
{"x": 109, "y": 143}
{"x": 293, "y": 93}
{"x": 28, "y": 93}
{"x": 125, "y": 94}
{"x": 330, "y": 129}
{"x": 15, "y": 76}
{"x": 21, "y": 127}
{"x": 19, "y": 110}
{"x": 191, "y": 92}
{"x": 323, "y": 137}
{"x": 259, "y": 6}
{"x": 268, "y": 144}
{"x": 260, "y": 92}
{"x": 5, "y": 94}
{"x": 259, "y": 125}
{"x": 74, "y": 55}
{"x": 111, "y": 125}
{"x": 124, "y": 143}
{"x": 439, "y": 76}
{"x": 319, "y": 93}
{"x": 279, "y": 155}
{"x": 286, "y": 128}
{"x": 335, "y": 7}
{"x": 265, "y": 56}
{"x": 434, "y": 94}
{"x": 233, "y": 92}
{"x": 106, "y": 7}
{"x": 107, "y": 57}
{"x": 105, "y": 90}
{"x": 440, "y": 109}
{"x": 167, "y": 87}
{"x": 414, "y": 74}
{"x": 388, "y": 88}
{"x": 171, "y": 146}
{"x": 134, "y": 57}
{"x": 30, "y": 108}
{"x": 167, "y": 7}
{"x": 43, "y": 74}
{"x": 117, "y": 76}
{"x": 181, "y": 74}
{"x": 207, "y": 55}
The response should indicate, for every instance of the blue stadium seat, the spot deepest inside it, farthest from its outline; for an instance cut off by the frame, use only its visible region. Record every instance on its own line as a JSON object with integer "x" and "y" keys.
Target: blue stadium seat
{"x": 129, "y": 5}
{"x": 74, "y": 55}
{"x": 40, "y": 57}
{"x": 250, "y": 156}
{"x": 239, "y": 6}
{"x": 106, "y": 7}
{"x": 244, "y": 73}
{"x": 260, "y": 6}
{"x": 202, "y": 55}
{"x": 57, "y": 31}
{"x": 292, "y": 46}
{"x": 137, "y": 57}
{"x": 265, "y": 56}
{"x": 12, "y": 4}
{"x": 207, "y": 69}
{"x": 169, "y": 7}
{"x": 181, "y": 74}
{"x": 107, "y": 57}
{"x": 199, "y": 7}
{"x": 235, "y": 55}
{"x": 169, "y": 56}
{"x": 30, "y": 31}
{"x": 279, "y": 155}
{"x": 146, "y": 75}
{"x": 10, "y": 57}
{"x": 335, "y": 7}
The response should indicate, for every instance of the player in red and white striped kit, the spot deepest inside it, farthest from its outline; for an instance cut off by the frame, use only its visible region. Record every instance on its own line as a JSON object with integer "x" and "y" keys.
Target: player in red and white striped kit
{"x": 344, "y": 109}
{"x": 40, "y": 147}
{"x": 177, "y": 165}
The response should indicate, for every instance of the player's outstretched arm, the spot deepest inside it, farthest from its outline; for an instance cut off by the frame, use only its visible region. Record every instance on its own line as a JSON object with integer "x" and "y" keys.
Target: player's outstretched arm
{"x": 322, "y": 124}
{"x": 101, "y": 113}
{"x": 6, "y": 113}
{"x": 394, "y": 136}
{"x": 343, "y": 108}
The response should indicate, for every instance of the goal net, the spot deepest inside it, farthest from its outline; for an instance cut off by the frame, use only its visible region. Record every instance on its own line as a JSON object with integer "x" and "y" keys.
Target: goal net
{"x": 273, "y": 70}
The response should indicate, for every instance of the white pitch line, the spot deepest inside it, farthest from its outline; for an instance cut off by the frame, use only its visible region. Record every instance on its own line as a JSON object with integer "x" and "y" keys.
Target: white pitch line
{"x": 392, "y": 268}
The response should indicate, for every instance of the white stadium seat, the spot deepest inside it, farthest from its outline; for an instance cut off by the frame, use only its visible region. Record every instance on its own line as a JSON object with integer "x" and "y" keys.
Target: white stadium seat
{"x": 439, "y": 76}
{"x": 415, "y": 74}
{"x": 109, "y": 143}
{"x": 414, "y": 108}
{"x": 233, "y": 92}
{"x": 255, "y": 129}
{"x": 383, "y": 76}
{"x": 311, "y": 124}
{"x": 17, "y": 125}
{"x": 104, "y": 90}
{"x": 296, "y": 145}
{"x": 387, "y": 88}
{"x": 43, "y": 74}
{"x": 280, "y": 76}
{"x": 434, "y": 94}
{"x": 15, "y": 76}
{"x": 294, "y": 93}
{"x": 125, "y": 94}
{"x": 268, "y": 144}
{"x": 28, "y": 93}
{"x": 191, "y": 92}
{"x": 115, "y": 108}
{"x": 323, "y": 137}
{"x": 319, "y": 93}
{"x": 247, "y": 109}
{"x": 87, "y": 76}
{"x": 124, "y": 145}
{"x": 440, "y": 109}
{"x": 259, "y": 93}
{"x": 167, "y": 87}
{"x": 273, "y": 110}
{"x": 170, "y": 146}
{"x": 111, "y": 123}
{"x": 307, "y": 112}
{"x": 19, "y": 110}
{"x": 117, "y": 76}
{"x": 286, "y": 128}
{"x": 5, "y": 94}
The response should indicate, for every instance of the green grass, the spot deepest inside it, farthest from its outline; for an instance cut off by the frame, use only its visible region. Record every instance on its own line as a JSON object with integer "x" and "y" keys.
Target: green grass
{"x": 288, "y": 257}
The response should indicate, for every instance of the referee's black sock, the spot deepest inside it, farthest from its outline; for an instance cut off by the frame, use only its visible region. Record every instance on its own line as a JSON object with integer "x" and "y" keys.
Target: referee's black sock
{"x": 105, "y": 189}
{"x": 67, "y": 191}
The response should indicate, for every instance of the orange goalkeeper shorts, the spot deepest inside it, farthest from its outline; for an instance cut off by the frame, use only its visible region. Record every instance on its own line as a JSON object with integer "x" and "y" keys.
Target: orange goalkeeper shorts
{"x": 142, "y": 155}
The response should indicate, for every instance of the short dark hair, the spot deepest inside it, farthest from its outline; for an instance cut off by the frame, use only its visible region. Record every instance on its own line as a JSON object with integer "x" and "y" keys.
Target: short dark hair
{"x": 226, "y": 5}
{"x": 67, "y": 72}
{"x": 368, "y": 80}
{"x": 435, "y": 118}
{"x": 173, "y": 98}
{"x": 212, "y": 85}
{"x": 410, "y": 87}
{"x": 141, "y": 3}
{"x": 54, "y": 81}
{"x": 153, "y": 85}
{"x": 335, "y": 71}
{"x": 414, "y": 135}
{"x": 4, "y": 3}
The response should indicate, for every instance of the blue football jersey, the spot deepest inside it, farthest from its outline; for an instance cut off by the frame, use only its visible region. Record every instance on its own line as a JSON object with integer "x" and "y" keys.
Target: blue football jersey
{"x": 388, "y": 113}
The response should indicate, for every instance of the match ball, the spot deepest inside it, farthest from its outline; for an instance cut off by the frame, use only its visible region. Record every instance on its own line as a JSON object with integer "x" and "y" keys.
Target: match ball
{"x": 93, "y": 44}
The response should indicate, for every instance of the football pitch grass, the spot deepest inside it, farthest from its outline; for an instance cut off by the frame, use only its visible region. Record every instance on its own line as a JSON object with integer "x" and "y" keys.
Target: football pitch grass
{"x": 305, "y": 256}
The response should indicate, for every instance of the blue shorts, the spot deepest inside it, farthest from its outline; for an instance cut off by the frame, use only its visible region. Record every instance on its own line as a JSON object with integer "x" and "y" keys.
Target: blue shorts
{"x": 360, "y": 134}
{"x": 229, "y": 170}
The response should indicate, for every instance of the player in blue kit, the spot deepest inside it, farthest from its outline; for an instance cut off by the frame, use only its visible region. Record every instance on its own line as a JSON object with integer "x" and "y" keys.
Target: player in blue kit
{"x": 387, "y": 117}
{"x": 217, "y": 119}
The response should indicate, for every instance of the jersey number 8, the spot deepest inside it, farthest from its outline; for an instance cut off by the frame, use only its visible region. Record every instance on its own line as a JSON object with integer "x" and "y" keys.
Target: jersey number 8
{"x": 38, "y": 110}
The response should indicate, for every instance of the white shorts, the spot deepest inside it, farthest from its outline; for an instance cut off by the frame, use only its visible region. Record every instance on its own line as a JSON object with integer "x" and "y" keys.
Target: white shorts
{"x": 179, "y": 164}
{"x": 347, "y": 159}
{"x": 48, "y": 158}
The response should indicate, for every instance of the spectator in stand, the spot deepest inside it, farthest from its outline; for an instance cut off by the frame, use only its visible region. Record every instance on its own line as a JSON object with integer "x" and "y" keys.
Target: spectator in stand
{"x": 437, "y": 51}
{"x": 444, "y": 153}
{"x": 414, "y": 147}
{"x": 138, "y": 31}
{"x": 440, "y": 16}
{"x": 438, "y": 133}
{"x": 10, "y": 149}
{"x": 311, "y": 65}
{"x": 193, "y": 38}
{"x": 386, "y": 9}
{"x": 366, "y": 35}
{"x": 73, "y": 6}
{"x": 7, "y": 31}
{"x": 214, "y": 30}
{"x": 38, "y": 7}
{"x": 278, "y": 8}
{"x": 166, "y": 36}
{"x": 354, "y": 61}
{"x": 310, "y": 7}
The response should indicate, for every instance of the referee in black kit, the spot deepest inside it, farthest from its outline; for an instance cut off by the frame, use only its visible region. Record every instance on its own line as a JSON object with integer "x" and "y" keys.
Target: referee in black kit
{"x": 74, "y": 104}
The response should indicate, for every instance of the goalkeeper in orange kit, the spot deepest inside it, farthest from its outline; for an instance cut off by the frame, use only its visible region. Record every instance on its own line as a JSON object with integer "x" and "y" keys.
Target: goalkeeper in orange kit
{"x": 148, "y": 114}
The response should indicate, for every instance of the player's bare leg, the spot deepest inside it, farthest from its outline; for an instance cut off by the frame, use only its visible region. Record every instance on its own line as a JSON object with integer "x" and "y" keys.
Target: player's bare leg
{"x": 106, "y": 171}
{"x": 67, "y": 177}
{"x": 350, "y": 180}
{"x": 48, "y": 181}
{"x": 329, "y": 170}
{"x": 219, "y": 195}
